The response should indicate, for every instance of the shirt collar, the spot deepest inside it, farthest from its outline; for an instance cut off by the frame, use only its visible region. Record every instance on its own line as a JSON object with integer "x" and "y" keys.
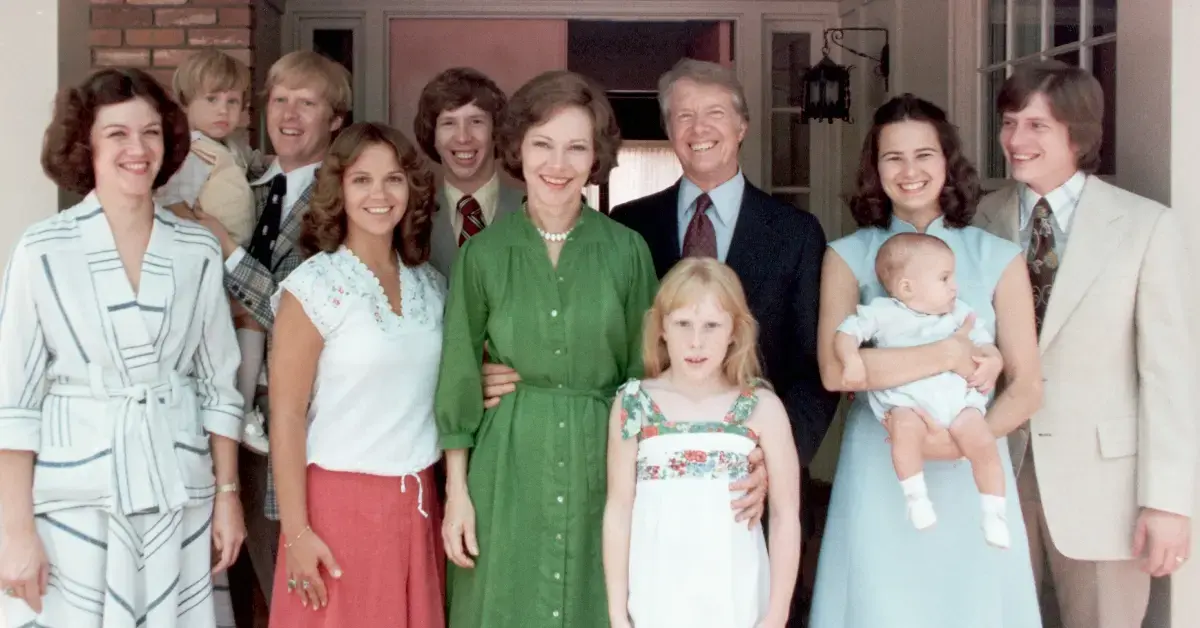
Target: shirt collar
{"x": 297, "y": 179}
{"x": 1063, "y": 200}
{"x": 726, "y": 199}
{"x": 488, "y": 196}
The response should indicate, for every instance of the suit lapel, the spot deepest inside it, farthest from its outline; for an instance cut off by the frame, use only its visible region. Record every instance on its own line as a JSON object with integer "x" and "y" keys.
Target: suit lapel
{"x": 509, "y": 201}
{"x": 1003, "y": 218}
{"x": 666, "y": 232}
{"x": 1095, "y": 233}
{"x": 750, "y": 232}
{"x": 289, "y": 231}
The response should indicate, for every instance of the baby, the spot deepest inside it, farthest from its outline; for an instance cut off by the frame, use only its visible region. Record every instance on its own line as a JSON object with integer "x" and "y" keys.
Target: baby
{"x": 917, "y": 270}
{"x": 211, "y": 87}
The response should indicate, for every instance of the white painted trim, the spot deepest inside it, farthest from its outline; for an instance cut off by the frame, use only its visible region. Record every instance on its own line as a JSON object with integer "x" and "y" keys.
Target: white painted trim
{"x": 965, "y": 52}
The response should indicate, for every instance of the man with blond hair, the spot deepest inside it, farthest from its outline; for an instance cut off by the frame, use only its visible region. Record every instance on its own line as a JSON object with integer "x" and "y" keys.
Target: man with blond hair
{"x": 308, "y": 98}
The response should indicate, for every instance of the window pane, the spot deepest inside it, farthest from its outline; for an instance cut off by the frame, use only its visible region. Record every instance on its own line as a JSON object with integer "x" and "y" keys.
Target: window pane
{"x": 993, "y": 154}
{"x": 789, "y": 151}
{"x": 790, "y": 58}
{"x": 1027, "y": 37}
{"x": 997, "y": 27}
{"x": 1104, "y": 68}
{"x": 1066, "y": 21}
{"x": 1070, "y": 57}
{"x": 1104, "y": 17}
{"x": 799, "y": 200}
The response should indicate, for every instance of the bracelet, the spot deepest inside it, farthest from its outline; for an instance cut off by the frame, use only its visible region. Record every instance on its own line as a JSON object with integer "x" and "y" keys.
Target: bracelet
{"x": 232, "y": 487}
{"x": 289, "y": 544}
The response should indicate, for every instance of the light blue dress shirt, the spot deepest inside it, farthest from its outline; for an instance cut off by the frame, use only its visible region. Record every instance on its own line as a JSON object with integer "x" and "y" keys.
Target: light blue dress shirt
{"x": 726, "y": 205}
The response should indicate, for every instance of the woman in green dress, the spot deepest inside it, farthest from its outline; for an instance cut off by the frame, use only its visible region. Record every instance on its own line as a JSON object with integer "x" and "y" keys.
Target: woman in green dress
{"x": 557, "y": 292}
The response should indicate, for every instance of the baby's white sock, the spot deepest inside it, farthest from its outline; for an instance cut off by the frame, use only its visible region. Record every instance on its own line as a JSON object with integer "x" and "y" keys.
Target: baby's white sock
{"x": 253, "y": 345}
{"x": 995, "y": 520}
{"x": 994, "y": 504}
{"x": 920, "y": 509}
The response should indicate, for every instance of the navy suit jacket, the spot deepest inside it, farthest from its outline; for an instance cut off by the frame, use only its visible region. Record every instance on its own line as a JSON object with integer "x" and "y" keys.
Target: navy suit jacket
{"x": 776, "y": 252}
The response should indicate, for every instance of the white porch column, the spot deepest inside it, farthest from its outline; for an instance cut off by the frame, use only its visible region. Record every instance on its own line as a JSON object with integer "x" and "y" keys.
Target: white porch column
{"x": 1184, "y": 51}
{"x": 28, "y": 80}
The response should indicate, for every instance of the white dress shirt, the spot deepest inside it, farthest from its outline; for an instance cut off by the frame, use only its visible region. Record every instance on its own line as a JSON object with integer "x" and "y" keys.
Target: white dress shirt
{"x": 372, "y": 399}
{"x": 488, "y": 197}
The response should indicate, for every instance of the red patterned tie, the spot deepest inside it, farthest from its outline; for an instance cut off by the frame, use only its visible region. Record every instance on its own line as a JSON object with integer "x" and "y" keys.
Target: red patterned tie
{"x": 700, "y": 239}
{"x": 472, "y": 215}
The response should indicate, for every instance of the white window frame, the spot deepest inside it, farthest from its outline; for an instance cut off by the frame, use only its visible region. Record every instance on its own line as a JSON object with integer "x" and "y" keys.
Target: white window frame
{"x": 979, "y": 110}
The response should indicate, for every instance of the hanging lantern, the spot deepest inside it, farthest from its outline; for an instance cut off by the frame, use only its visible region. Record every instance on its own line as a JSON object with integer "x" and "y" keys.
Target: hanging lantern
{"x": 826, "y": 92}
{"x": 827, "y": 84}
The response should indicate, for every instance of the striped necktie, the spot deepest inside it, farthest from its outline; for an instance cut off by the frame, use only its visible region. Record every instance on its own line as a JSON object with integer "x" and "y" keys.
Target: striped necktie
{"x": 472, "y": 218}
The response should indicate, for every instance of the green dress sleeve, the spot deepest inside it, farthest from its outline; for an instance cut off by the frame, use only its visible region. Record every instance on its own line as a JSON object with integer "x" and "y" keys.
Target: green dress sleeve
{"x": 643, "y": 287}
{"x": 459, "y": 399}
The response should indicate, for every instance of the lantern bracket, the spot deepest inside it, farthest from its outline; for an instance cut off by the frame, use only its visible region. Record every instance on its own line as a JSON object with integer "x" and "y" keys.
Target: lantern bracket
{"x": 835, "y": 36}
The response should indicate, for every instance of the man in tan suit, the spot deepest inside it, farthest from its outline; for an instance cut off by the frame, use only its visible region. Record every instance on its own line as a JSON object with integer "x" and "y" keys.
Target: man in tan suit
{"x": 1107, "y": 466}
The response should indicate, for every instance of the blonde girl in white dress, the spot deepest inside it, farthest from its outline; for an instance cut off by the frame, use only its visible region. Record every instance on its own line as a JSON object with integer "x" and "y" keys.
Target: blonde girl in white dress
{"x": 673, "y": 554}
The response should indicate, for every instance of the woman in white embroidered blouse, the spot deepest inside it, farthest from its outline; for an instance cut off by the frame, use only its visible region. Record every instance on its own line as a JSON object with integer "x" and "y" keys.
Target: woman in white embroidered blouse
{"x": 359, "y": 333}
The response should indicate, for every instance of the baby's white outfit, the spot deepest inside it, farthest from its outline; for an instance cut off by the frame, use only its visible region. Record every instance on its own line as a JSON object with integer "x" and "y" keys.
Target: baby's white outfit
{"x": 890, "y": 323}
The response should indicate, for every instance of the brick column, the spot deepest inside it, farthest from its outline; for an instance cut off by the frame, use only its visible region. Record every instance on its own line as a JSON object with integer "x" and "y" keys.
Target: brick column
{"x": 157, "y": 34}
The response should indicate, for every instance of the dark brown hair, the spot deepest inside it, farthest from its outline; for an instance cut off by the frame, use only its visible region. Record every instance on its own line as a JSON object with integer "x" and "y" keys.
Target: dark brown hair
{"x": 454, "y": 88}
{"x": 540, "y": 99}
{"x": 324, "y": 225}
{"x": 871, "y": 206}
{"x": 67, "y": 144}
{"x": 1075, "y": 99}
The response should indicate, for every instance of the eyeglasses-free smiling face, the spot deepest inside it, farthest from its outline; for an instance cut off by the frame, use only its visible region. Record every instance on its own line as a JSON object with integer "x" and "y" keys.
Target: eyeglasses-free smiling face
{"x": 300, "y": 122}
{"x": 912, "y": 166}
{"x": 127, "y": 147}
{"x": 463, "y": 138}
{"x": 1038, "y": 146}
{"x": 557, "y": 157}
{"x": 706, "y": 131}
{"x": 375, "y": 192}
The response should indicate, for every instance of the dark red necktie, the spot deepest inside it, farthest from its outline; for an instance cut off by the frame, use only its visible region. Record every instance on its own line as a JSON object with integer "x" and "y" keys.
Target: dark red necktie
{"x": 472, "y": 218}
{"x": 700, "y": 239}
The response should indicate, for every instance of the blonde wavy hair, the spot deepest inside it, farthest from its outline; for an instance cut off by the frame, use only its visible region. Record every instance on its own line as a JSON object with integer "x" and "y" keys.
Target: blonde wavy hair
{"x": 688, "y": 282}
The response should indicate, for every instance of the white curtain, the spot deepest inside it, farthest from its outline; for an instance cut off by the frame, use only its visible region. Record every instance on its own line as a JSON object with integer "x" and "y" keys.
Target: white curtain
{"x": 642, "y": 168}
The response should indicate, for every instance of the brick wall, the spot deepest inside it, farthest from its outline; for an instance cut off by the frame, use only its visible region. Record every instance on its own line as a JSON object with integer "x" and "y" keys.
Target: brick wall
{"x": 156, "y": 35}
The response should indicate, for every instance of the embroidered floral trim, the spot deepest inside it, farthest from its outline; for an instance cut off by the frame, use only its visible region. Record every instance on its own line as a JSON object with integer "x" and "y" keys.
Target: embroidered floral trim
{"x": 642, "y": 418}
{"x": 695, "y": 464}
{"x": 326, "y": 284}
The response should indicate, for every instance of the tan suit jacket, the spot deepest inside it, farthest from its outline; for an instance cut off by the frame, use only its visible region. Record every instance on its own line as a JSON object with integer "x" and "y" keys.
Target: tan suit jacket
{"x": 1116, "y": 431}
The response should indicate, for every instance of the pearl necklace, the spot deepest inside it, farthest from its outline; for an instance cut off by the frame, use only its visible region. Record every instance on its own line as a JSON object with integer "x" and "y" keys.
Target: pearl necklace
{"x": 553, "y": 237}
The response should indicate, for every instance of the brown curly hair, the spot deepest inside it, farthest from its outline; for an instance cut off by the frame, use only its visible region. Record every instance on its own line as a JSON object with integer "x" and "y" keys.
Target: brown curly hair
{"x": 324, "y": 226}
{"x": 67, "y": 144}
{"x": 871, "y": 206}
{"x": 547, "y": 94}
{"x": 450, "y": 90}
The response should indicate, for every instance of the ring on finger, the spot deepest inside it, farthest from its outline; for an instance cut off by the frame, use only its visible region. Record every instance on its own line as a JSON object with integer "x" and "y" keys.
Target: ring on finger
{"x": 304, "y": 584}
{"x": 10, "y": 592}
{"x": 291, "y": 584}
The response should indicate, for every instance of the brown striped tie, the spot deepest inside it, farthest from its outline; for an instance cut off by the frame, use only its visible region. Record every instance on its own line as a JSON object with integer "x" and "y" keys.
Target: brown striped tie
{"x": 1041, "y": 258}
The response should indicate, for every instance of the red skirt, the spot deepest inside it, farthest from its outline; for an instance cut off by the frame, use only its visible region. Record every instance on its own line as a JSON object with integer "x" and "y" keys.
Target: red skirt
{"x": 391, "y": 555}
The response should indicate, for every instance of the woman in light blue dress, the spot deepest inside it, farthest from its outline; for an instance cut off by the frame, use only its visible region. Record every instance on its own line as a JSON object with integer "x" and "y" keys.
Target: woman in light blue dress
{"x": 876, "y": 570}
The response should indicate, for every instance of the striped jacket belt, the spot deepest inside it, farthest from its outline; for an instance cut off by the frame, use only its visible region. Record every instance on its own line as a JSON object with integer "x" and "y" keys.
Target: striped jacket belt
{"x": 146, "y": 470}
